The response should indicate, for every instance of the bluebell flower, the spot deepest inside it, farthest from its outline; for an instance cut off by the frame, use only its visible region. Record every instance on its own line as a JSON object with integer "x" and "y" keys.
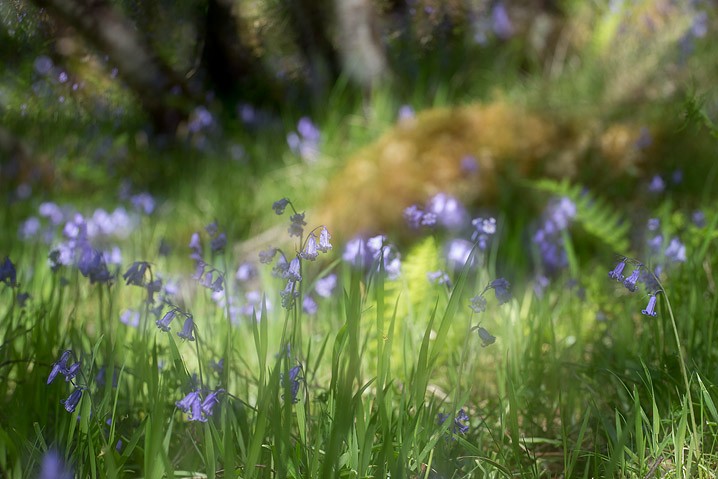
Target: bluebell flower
{"x": 29, "y": 228}
{"x": 59, "y": 366}
{"x": 469, "y": 164}
{"x": 644, "y": 139}
{"x": 405, "y": 113}
{"x": 73, "y": 400}
{"x": 500, "y": 22}
{"x": 501, "y": 289}
{"x": 187, "y": 329}
{"x": 218, "y": 243}
{"x": 135, "y": 274}
{"x": 293, "y": 382}
{"x": 617, "y": 272}
{"x": 92, "y": 265}
{"x": 217, "y": 366}
{"x": 324, "y": 237}
{"x": 196, "y": 246}
{"x": 246, "y": 272}
{"x": 355, "y": 252}
{"x": 310, "y": 249}
{"x": 266, "y": 256}
{"x": 8, "y": 275}
{"x": 413, "y": 215}
{"x": 478, "y": 303}
{"x": 698, "y": 218}
{"x": 487, "y": 338}
{"x": 630, "y": 282}
{"x": 438, "y": 277}
{"x": 657, "y": 185}
{"x": 289, "y": 294}
{"x": 71, "y": 372}
{"x": 53, "y": 467}
{"x": 449, "y": 211}
{"x": 280, "y": 205}
{"x": 211, "y": 401}
{"x": 296, "y": 228}
{"x": 676, "y": 251}
{"x": 185, "y": 404}
{"x": 653, "y": 224}
{"x": 461, "y": 420}
{"x": 130, "y": 318}
{"x": 164, "y": 323}
{"x": 309, "y": 306}
{"x": 651, "y": 307}
{"x": 143, "y": 202}
{"x": 325, "y": 286}
{"x": 293, "y": 272}
{"x": 280, "y": 267}
{"x": 458, "y": 252}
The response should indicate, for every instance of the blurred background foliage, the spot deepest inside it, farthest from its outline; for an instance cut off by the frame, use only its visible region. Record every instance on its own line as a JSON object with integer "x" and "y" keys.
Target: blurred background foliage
{"x": 194, "y": 100}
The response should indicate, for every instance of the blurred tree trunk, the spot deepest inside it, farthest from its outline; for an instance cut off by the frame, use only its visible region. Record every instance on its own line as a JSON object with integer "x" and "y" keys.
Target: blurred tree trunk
{"x": 162, "y": 93}
{"x": 232, "y": 69}
{"x": 360, "y": 43}
{"x": 309, "y": 21}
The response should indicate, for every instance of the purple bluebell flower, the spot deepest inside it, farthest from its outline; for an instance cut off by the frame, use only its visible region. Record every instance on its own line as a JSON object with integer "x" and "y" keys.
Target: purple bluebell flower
{"x": 487, "y": 339}
{"x": 296, "y": 228}
{"x": 292, "y": 382}
{"x": 653, "y": 224}
{"x": 92, "y": 265}
{"x": 413, "y": 215}
{"x": 630, "y": 282}
{"x": 211, "y": 401}
{"x": 325, "y": 286}
{"x": 164, "y": 323}
{"x": 72, "y": 371}
{"x": 73, "y": 400}
{"x": 406, "y": 112}
{"x": 218, "y": 243}
{"x": 289, "y": 294}
{"x": 185, "y": 404}
{"x": 644, "y": 138}
{"x": 324, "y": 237}
{"x": 478, "y": 303}
{"x": 310, "y": 249}
{"x": 294, "y": 270}
{"x": 698, "y": 218}
{"x": 135, "y": 274}
{"x": 501, "y": 23}
{"x": 657, "y": 185}
{"x": 52, "y": 212}
{"x": 461, "y": 420}
{"x": 309, "y": 305}
{"x": 246, "y": 272}
{"x": 130, "y": 318}
{"x": 280, "y": 205}
{"x": 266, "y": 256}
{"x": 29, "y": 228}
{"x": 438, "y": 277}
{"x": 469, "y": 164}
{"x": 59, "y": 366}
{"x": 676, "y": 251}
{"x": 449, "y": 211}
{"x": 458, "y": 252}
{"x": 53, "y": 467}
{"x": 143, "y": 202}
{"x": 8, "y": 275}
{"x": 501, "y": 289}
{"x": 616, "y": 273}
{"x": 651, "y": 307}
{"x": 195, "y": 245}
{"x": 187, "y": 329}
{"x": 355, "y": 252}
{"x": 280, "y": 267}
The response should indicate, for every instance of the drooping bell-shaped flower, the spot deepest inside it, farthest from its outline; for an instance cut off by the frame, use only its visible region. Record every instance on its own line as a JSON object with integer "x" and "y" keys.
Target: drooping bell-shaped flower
{"x": 616, "y": 273}
{"x": 630, "y": 282}
{"x": 187, "y": 329}
{"x": 73, "y": 400}
{"x": 501, "y": 288}
{"x": 164, "y": 323}
{"x": 310, "y": 249}
{"x": 651, "y": 307}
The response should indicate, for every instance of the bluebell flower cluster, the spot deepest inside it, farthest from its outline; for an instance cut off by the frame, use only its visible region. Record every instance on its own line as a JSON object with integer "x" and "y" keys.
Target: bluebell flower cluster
{"x": 205, "y": 274}
{"x": 639, "y": 274}
{"x": 290, "y": 269}
{"x": 439, "y": 277}
{"x": 199, "y": 409}
{"x": 501, "y": 289}
{"x": 188, "y": 327}
{"x": 557, "y": 217}
{"x": 441, "y": 209}
{"x": 460, "y": 423}
{"x": 70, "y": 372}
{"x": 53, "y": 467}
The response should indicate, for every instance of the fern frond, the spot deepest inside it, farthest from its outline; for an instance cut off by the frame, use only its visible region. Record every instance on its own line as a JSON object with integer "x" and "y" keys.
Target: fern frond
{"x": 593, "y": 213}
